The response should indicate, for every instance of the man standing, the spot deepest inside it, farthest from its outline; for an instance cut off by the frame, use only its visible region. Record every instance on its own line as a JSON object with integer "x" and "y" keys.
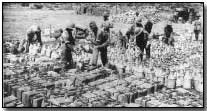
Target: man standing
{"x": 141, "y": 36}
{"x": 148, "y": 28}
{"x": 100, "y": 40}
{"x": 106, "y": 22}
{"x": 67, "y": 44}
{"x": 131, "y": 30}
{"x": 33, "y": 36}
{"x": 141, "y": 39}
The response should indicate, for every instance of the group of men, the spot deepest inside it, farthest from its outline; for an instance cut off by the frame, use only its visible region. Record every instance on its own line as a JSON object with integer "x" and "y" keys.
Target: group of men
{"x": 99, "y": 38}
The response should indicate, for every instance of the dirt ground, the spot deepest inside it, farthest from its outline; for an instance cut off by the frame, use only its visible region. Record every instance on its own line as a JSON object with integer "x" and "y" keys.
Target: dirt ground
{"x": 17, "y": 20}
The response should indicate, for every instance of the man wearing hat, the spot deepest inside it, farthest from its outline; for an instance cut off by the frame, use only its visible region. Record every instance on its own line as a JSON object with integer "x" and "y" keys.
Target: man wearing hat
{"x": 148, "y": 28}
{"x": 99, "y": 39}
{"x": 141, "y": 35}
{"x": 67, "y": 43}
{"x": 33, "y": 36}
{"x": 106, "y": 22}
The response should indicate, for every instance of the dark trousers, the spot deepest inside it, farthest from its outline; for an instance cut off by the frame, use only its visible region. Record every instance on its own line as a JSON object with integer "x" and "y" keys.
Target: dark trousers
{"x": 103, "y": 52}
{"x": 196, "y": 34}
{"x": 66, "y": 56}
{"x": 147, "y": 49}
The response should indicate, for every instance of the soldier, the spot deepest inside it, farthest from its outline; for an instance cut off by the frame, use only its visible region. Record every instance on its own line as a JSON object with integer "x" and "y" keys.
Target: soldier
{"x": 141, "y": 36}
{"x": 106, "y": 22}
{"x": 67, "y": 44}
{"x": 148, "y": 28}
{"x": 100, "y": 40}
{"x": 33, "y": 36}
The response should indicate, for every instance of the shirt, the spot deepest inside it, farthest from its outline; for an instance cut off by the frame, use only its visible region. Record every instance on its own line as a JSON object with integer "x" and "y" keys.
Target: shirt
{"x": 100, "y": 38}
{"x": 93, "y": 36}
{"x": 141, "y": 39}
